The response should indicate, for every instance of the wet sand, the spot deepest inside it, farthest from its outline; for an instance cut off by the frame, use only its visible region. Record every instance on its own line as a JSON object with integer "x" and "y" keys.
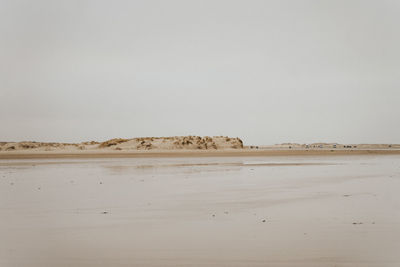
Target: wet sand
{"x": 258, "y": 210}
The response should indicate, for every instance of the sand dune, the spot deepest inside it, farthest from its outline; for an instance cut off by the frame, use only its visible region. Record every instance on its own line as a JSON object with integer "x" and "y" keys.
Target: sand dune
{"x": 182, "y": 146}
{"x": 143, "y": 143}
{"x": 330, "y": 146}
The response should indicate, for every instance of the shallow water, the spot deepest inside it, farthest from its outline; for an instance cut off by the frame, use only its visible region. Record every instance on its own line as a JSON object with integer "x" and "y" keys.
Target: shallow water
{"x": 272, "y": 211}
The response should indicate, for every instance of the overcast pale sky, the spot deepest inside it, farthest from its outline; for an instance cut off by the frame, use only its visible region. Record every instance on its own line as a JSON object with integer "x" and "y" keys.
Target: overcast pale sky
{"x": 266, "y": 71}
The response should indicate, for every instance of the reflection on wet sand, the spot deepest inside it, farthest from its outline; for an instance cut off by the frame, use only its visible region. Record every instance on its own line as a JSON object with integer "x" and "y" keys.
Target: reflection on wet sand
{"x": 272, "y": 211}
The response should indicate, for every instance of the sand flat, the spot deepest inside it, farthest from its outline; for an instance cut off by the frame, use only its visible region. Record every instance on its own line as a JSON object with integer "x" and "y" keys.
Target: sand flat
{"x": 270, "y": 210}
{"x": 23, "y": 154}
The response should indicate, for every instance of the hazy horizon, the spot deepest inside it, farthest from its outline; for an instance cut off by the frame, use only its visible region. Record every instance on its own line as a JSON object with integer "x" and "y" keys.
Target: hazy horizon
{"x": 265, "y": 71}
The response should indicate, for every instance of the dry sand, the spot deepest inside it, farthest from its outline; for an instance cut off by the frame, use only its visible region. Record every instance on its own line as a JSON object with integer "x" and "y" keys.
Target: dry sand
{"x": 191, "y": 153}
{"x": 201, "y": 211}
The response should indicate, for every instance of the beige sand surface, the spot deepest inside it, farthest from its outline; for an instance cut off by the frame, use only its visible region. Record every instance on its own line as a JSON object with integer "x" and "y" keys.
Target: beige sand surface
{"x": 24, "y": 154}
{"x": 201, "y": 211}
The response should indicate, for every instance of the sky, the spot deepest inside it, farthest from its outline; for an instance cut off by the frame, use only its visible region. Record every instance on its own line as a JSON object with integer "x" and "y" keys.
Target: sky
{"x": 266, "y": 71}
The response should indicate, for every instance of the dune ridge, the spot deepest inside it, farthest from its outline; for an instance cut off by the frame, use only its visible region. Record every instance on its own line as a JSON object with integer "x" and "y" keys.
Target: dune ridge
{"x": 140, "y": 143}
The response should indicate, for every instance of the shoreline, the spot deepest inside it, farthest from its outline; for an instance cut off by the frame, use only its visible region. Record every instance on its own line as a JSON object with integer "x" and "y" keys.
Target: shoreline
{"x": 193, "y": 153}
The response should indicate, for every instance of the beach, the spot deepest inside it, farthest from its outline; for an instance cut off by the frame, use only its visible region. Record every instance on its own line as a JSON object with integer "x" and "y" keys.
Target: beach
{"x": 200, "y": 210}
{"x": 199, "y": 133}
